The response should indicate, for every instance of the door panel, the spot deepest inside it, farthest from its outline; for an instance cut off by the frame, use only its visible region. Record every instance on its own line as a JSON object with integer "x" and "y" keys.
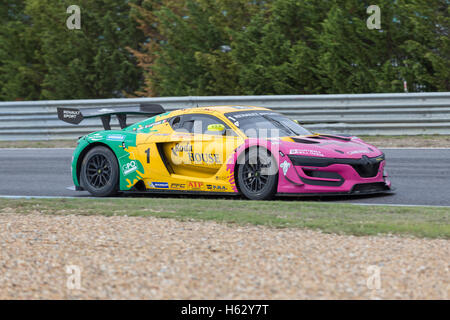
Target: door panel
{"x": 187, "y": 154}
{"x": 192, "y": 158}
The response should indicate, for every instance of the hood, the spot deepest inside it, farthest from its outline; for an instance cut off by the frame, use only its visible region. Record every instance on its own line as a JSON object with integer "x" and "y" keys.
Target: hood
{"x": 330, "y": 146}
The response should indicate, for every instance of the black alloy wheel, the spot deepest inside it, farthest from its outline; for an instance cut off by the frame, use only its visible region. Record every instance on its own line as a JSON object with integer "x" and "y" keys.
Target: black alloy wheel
{"x": 100, "y": 172}
{"x": 255, "y": 177}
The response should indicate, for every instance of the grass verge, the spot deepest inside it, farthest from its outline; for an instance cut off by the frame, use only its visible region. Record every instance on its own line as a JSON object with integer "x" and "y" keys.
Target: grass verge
{"x": 429, "y": 222}
{"x": 421, "y": 141}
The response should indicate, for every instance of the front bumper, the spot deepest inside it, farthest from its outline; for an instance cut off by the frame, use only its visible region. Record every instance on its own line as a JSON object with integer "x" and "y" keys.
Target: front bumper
{"x": 318, "y": 176}
{"x": 368, "y": 189}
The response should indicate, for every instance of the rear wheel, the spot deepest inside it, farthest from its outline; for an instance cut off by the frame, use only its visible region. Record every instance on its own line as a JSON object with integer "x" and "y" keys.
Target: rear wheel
{"x": 257, "y": 176}
{"x": 100, "y": 172}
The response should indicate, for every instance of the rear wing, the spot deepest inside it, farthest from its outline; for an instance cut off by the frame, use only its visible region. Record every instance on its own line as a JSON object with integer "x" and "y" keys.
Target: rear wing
{"x": 75, "y": 116}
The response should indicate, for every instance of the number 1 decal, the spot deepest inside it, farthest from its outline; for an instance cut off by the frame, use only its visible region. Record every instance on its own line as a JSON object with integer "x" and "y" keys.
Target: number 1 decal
{"x": 148, "y": 155}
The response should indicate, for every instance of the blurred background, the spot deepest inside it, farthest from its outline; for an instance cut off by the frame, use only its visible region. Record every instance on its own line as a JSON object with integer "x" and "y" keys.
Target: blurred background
{"x": 151, "y": 48}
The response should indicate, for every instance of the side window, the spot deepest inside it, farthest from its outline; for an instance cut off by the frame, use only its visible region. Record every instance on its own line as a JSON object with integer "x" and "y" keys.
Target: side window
{"x": 179, "y": 123}
{"x": 198, "y": 123}
{"x": 175, "y": 122}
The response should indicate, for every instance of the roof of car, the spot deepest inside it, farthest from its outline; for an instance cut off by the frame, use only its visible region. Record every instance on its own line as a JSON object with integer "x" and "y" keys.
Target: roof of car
{"x": 224, "y": 109}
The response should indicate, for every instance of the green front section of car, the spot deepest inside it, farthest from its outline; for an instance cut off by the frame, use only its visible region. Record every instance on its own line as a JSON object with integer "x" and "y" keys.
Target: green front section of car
{"x": 119, "y": 141}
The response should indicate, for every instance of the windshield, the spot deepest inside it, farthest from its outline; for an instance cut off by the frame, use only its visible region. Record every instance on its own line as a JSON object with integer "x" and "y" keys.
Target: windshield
{"x": 265, "y": 124}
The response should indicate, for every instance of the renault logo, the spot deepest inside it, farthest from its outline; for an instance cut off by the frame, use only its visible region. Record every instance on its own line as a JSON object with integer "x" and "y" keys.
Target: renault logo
{"x": 366, "y": 161}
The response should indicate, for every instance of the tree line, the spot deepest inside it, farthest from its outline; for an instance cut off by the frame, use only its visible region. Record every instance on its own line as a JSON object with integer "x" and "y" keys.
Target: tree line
{"x": 221, "y": 47}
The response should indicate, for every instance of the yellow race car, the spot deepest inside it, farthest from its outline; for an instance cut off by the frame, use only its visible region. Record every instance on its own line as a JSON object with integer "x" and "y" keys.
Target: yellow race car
{"x": 252, "y": 151}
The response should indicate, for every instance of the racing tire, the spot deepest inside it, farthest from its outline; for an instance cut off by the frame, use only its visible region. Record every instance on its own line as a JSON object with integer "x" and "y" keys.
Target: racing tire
{"x": 257, "y": 176}
{"x": 100, "y": 172}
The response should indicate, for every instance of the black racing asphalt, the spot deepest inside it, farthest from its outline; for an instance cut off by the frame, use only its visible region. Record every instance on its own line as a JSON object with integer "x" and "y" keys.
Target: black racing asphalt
{"x": 420, "y": 176}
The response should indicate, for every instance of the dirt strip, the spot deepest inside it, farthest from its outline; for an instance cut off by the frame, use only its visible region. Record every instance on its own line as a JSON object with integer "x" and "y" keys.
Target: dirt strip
{"x": 41, "y": 256}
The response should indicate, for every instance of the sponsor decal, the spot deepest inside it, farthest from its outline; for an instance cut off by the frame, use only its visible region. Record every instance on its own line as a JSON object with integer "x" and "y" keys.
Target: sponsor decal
{"x": 96, "y": 137}
{"x": 208, "y": 158}
{"x": 177, "y": 186}
{"x": 212, "y": 187}
{"x": 253, "y": 114}
{"x": 115, "y": 137}
{"x": 159, "y": 185}
{"x": 285, "y": 166}
{"x": 195, "y": 185}
{"x": 307, "y": 152}
{"x": 71, "y": 114}
{"x": 179, "y": 147}
{"x": 357, "y": 151}
{"x": 129, "y": 167}
{"x": 155, "y": 123}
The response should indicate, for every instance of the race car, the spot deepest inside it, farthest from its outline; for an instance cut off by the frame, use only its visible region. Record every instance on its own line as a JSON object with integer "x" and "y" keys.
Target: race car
{"x": 252, "y": 151}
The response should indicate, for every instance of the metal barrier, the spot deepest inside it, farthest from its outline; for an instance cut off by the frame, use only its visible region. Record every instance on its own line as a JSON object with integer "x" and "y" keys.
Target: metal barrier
{"x": 363, "y": 114}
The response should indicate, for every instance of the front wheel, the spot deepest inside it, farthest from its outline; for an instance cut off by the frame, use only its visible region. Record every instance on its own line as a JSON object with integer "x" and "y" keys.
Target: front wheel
{"x": 100, "y": 172}
{"x": 257, "y": 176}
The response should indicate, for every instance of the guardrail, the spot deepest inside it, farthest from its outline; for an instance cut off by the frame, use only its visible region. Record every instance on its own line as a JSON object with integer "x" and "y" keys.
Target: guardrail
{"x": 364, "y": 114}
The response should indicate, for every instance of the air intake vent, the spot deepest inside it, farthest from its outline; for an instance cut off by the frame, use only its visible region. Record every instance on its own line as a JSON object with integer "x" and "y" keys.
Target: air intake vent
{"x": 367, "y": 170}
{"x": 369, "y": 187}
{"x": 299, "y": 140}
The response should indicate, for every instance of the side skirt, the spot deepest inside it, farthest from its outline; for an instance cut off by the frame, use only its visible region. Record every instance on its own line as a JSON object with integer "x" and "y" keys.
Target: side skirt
{"x": 180, "y": 192}
{"x": 331, "y": 194}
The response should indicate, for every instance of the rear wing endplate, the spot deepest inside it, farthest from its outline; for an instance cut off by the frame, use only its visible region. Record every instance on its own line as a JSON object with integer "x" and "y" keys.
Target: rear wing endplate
{"x": 75, "y": 116}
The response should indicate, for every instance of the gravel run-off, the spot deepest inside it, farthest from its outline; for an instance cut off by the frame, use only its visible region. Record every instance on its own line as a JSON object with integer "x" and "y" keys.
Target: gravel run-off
{"x": 123, "y": 257}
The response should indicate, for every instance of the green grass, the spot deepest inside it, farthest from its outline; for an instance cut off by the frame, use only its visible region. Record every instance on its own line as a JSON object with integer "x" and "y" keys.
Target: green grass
{"x": 430, "y": 222}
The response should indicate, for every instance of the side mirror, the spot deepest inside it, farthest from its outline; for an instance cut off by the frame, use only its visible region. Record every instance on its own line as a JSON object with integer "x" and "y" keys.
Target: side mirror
{"x": 216, "y": 128}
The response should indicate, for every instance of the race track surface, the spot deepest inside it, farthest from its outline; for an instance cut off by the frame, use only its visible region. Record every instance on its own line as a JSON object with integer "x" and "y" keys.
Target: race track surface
{"x": 420, "y": 176}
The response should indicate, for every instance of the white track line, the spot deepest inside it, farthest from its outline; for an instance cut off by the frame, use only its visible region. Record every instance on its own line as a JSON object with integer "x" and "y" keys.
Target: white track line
{"x": 14, "y": 149}
{"x": 394, "y": 205}
{"x": 411, "y": 148}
